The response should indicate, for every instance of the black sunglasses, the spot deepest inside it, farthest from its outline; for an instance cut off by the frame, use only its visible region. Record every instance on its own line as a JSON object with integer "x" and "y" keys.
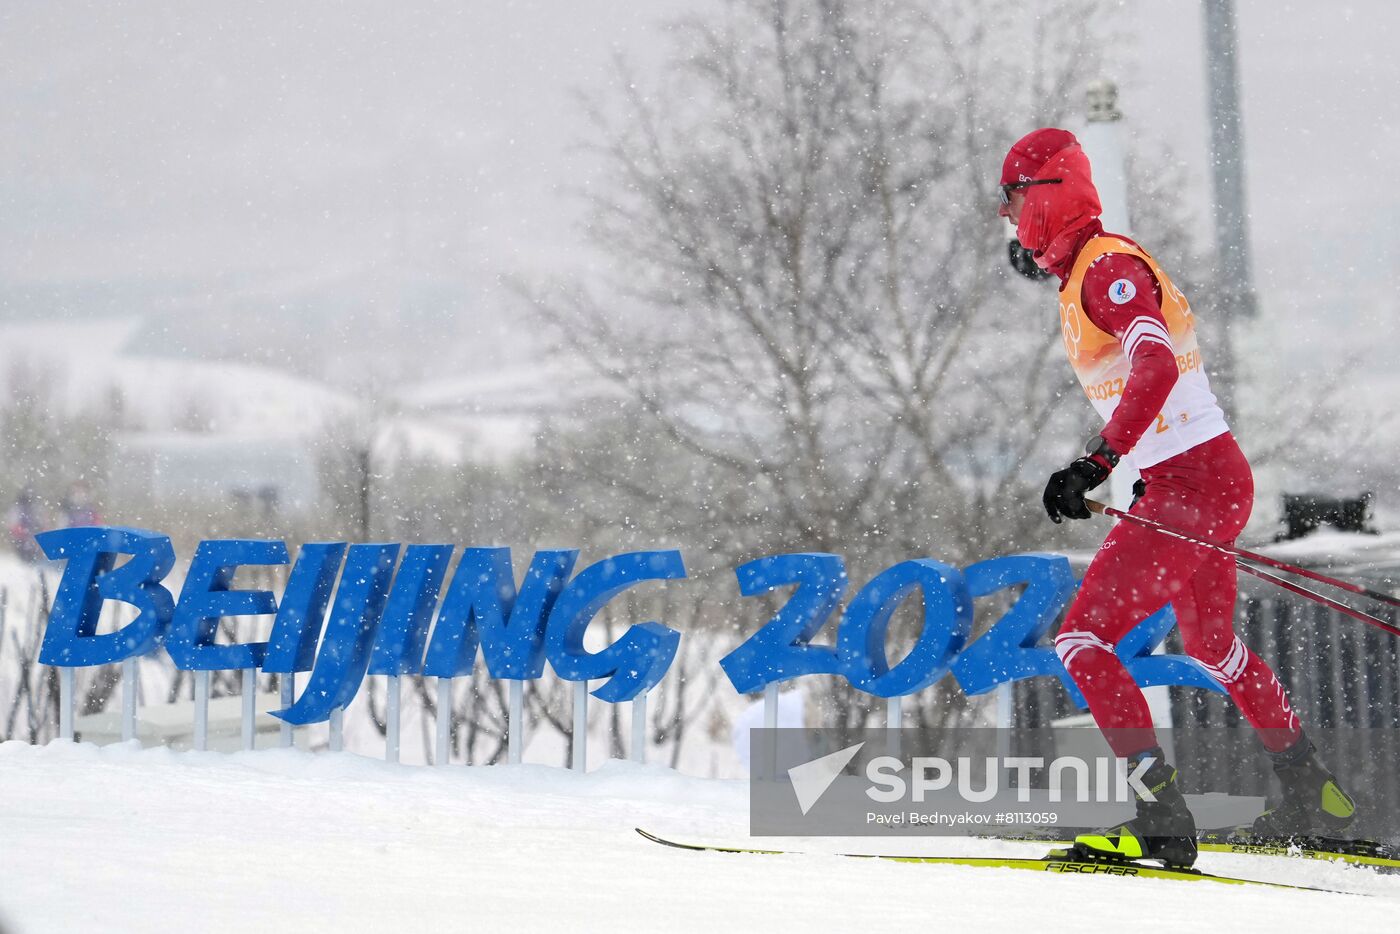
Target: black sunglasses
{"x": 1009, "y": 187}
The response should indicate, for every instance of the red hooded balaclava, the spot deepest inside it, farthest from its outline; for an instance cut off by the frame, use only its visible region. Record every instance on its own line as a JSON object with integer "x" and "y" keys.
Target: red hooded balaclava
{"x": 1054, "y": 215}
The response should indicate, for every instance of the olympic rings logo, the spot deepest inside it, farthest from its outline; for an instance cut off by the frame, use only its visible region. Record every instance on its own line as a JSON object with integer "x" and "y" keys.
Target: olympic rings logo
{"x": 1072, "y": 328}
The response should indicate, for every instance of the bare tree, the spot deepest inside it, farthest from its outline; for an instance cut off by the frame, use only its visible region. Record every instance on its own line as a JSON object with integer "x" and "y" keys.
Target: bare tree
{"x": 813, "y": 342}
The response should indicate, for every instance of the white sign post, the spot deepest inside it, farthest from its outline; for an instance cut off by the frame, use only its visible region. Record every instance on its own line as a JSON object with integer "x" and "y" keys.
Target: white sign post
{"x": 515, "y": 723}
{"x": 894, "y": 719}
{"x": 639, "y": 727}
{"x": 391, "y": 718}
{"x": 286, "y": 687}
{"x": 201, "y": 710}
{"x": 129, "y": 688}
{"x": 444, "y": 721}
{"x": 65, "y": 703}
{"x": 250, "y": 706}
{"x": 768, "y": 769}
{"x": 580, "y": 737}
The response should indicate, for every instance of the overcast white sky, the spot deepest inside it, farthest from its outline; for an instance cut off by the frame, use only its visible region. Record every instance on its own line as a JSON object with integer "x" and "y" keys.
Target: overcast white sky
{"x": 1322, "y": 132}
{"x": 258, "y": 147}
{"x": 187, "y": 139}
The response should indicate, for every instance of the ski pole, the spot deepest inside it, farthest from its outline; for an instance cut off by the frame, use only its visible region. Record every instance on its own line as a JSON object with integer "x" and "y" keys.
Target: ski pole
{"x": 1242, "y": 557}
{"x": 1314, "y": 595}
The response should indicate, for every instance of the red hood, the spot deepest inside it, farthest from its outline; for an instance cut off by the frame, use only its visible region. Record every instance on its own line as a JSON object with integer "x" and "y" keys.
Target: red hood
{"x": 1055, "y": 216}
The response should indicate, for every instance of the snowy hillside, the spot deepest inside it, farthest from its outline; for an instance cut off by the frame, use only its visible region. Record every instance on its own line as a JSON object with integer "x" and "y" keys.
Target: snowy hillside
{"x": 122, "y": 840}
{"x": 164, "y": 403}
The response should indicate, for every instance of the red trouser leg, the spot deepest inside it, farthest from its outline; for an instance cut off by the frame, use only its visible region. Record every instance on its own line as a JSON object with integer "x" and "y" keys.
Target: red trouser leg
{"x": 1204, "y": 613}
{"x": 1207, "y": 491}
{"x": 1129, "y": 579}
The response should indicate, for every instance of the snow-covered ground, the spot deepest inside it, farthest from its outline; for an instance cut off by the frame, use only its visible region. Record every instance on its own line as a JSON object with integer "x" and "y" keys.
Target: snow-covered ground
{"x": 122, "y": 839}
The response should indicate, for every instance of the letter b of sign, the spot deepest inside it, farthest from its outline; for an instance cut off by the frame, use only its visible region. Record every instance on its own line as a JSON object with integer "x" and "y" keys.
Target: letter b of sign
{"x": 89, "y": 579}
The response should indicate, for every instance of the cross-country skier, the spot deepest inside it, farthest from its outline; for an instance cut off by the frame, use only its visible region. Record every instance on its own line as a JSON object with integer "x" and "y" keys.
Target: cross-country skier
{"x": 1131, "y": 340}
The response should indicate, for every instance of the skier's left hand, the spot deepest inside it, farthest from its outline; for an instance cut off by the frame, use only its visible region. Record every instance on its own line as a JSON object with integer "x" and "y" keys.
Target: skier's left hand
{"x": 1064, "y": 494}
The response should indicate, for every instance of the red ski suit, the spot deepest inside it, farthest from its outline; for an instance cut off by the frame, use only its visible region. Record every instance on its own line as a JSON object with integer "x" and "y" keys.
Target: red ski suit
{"x": 1206, "y": 490}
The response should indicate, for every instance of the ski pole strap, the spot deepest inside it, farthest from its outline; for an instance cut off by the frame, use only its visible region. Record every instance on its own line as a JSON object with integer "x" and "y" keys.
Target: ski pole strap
{"x": 1242, "y": 557}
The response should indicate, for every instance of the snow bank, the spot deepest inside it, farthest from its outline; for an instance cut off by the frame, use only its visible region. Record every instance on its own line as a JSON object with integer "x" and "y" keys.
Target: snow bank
{"x": 122, "y": 839}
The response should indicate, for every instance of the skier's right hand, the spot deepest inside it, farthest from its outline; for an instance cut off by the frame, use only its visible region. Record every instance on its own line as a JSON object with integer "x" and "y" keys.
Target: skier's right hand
{"x": 1064, "y": 493}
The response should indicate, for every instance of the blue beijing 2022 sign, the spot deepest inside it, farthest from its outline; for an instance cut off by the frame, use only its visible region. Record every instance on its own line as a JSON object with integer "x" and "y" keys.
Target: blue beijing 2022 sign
{"x": 383, "y": 609}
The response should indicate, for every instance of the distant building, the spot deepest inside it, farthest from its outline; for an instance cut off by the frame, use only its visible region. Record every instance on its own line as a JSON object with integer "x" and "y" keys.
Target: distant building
{"x": 270, "y": 474}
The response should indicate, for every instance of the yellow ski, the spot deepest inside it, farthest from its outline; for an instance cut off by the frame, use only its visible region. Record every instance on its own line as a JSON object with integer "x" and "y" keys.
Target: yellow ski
{"x": 1053, "y": 863}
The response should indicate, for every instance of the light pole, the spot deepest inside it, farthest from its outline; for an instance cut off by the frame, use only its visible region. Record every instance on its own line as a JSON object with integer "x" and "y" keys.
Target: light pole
{"x": 1234, "y": 286}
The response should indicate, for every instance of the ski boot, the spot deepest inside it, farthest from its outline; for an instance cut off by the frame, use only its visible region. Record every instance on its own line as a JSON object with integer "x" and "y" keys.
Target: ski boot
{"x": 1313, "y": 804}
{"x": 1163, "y": 829}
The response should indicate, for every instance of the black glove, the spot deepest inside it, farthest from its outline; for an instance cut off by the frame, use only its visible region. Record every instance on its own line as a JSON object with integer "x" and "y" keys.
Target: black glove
{"x": 1064, "y": 494}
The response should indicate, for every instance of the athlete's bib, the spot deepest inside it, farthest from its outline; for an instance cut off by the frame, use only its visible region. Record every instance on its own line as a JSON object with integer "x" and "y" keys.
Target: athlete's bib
{"x": 1190, "y": 415}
